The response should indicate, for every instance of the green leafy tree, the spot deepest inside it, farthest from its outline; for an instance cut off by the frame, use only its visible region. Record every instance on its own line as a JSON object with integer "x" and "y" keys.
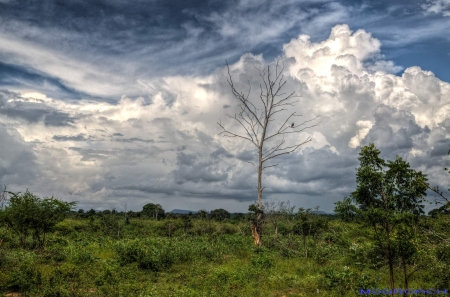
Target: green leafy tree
{"x": 220, "y": 214}
{"x": 202, "y": 214}
{"x": 345, "y": 209}
{"x": 28, "y": 214}
{"x": 308, "y": 224}
{"x": 151, "y": 210}
{"x": 442, "y": 210}
{"x": 406, "y": 251}
{"x": 388, "y": 195}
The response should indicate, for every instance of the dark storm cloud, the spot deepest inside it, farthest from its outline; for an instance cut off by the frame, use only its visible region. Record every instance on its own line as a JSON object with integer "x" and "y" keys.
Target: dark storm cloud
{"x": 93, "y": 154}
{"x": 407, "y": 135}
{"x": 193, "y": 169}
{"x": 221, "y": 152}
{"x": 384, "y": 137}
{"x": 441, "y": 148}
{"x": 324, "y": 170}
{"x": 134, "y": 139}
{"x": 123, "y": 50}
{"x": 17, "y": 158}
{"x": 58, "y": 119}
{"x": 33, "y": 113}
{"x": 203, "y": 137}
{"x": 79, "y": 137}
{"x": 13, "y": 76}
{"x": 30, "y": 115}
{"x": 195, "y": 37}
{"x": 192, "y": 192}
{"x": 5, "y": 95}
{"x": 247, "y": 155}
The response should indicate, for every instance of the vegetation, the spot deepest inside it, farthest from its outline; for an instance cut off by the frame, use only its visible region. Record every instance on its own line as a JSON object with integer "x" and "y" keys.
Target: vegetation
{"x": 84, "y": 256}
{"x": 389, "y": 198}
{"x": 380, "y": 234}
{"x": 151, "y": 210}
{"x": 28, "y": 214}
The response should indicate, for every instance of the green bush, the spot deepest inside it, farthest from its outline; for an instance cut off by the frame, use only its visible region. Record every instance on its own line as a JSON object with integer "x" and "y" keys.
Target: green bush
{"x": 344, "y": 280}
{"x": 262, "y": 259}
{"x": 204, "y": 228}
{"x": 155, "y": 255}
{"x": 24, "y": 274}
{"x": 169, "y": 227}
{"x": 28, "y": 214}
{"x": 159, "y": 254}
{"x": 78, "y": 255}
{"x": 227, "y": 228}
{"x": 322, "y": 254}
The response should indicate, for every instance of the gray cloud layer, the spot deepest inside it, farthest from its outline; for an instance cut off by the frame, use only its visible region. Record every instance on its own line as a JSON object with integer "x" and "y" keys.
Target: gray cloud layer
{"x": 65, "y": 132}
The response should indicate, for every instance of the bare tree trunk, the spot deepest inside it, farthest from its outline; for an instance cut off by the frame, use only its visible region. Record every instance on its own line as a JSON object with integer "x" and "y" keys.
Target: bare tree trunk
{"x": 256, "y": 230}
{"x": 3, "y": 198}
{"x": 255, "y": 122}
{"x": 255, "y": 234}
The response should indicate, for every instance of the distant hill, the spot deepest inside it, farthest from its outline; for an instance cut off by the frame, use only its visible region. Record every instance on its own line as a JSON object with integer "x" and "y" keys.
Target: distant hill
{"x": 182, "y": 211}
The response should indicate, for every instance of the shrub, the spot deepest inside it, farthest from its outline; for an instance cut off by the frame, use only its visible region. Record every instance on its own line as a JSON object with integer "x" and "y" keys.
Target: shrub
{"x": 204, "y": 228}
{"x": 28, "y": 213}
{"x": 23, "y": 274}
{"x": 169, "y": 227}
{"x": 342, "y": 280}
{"x": 77, "y": 255}
{"x": 261, "y": 261}
{"x": 226, "y": 228}
{"x": 159, "y": 254}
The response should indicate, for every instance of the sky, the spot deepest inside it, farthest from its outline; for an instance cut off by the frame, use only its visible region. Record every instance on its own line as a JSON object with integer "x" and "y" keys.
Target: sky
{"x": 115, "y": 104}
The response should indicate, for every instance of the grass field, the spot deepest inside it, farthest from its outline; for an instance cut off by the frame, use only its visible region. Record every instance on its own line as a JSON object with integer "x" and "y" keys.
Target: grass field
{"x": 100, "y": 255}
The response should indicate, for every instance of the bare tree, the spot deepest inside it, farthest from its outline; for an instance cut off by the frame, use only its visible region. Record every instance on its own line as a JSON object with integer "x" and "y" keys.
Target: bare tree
{"x": 3, "y": 197}
{"x": 259, "y": 127}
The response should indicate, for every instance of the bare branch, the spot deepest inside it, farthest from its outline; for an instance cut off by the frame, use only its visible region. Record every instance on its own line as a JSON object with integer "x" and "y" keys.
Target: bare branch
{"x": 269, "y": 166}
{"x": 227, "y": 133}
{"x": 252, "y": 164}
{"x": 439, "y": 192}
{"x": 292, "y": 149}
{"x": 239, "y": 96}
{"x": 273, "y": 149}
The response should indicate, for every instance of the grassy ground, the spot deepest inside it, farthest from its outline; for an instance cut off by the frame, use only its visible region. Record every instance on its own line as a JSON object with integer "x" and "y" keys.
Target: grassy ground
{"x": 101, "y": 256}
